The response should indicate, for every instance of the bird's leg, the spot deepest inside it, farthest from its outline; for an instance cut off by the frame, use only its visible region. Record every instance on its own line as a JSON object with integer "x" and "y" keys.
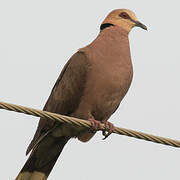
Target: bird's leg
{"x": 109, "y": 127}
{"x": 96, "y": 125}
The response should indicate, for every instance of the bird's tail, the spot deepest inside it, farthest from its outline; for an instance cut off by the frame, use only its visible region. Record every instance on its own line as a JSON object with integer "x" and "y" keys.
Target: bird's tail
{"x": 42, "y": 159}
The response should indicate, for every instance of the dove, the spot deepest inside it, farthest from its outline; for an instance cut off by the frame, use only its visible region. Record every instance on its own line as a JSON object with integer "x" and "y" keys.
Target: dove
{"x": 91, "y": 86}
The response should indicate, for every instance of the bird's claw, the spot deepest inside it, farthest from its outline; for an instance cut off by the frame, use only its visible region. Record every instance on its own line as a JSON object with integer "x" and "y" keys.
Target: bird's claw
{"x": 109, "y": 127}
{"x": 95, "y": 125}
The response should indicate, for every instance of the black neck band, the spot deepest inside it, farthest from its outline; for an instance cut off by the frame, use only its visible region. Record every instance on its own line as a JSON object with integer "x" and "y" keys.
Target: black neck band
{"x": 103, "y": 26}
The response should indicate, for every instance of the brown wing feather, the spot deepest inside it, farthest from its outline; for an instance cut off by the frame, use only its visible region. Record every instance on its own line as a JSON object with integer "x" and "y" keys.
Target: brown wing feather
{"x": 66, "y": 93}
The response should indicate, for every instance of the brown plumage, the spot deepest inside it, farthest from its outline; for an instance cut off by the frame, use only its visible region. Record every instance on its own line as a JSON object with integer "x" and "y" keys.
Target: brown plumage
{"x": 91, "y": 86}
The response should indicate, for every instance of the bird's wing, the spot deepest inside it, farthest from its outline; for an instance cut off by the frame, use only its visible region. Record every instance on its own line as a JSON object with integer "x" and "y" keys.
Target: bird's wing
{"x": 66, "y": 93}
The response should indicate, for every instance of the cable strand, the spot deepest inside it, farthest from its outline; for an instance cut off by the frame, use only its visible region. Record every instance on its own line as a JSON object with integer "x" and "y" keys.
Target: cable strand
{"x": 84, "y": 123}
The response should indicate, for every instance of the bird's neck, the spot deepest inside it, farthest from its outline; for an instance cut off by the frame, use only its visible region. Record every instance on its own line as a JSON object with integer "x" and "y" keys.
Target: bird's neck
{"x": 111, "y": 37}
{"x": 111, "y": 42}
{"x": 114, "y": 30}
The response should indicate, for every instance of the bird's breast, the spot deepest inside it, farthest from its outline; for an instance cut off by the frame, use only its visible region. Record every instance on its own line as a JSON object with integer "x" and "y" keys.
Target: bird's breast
{"x": 106, "y": 86}
{"x": 109, "y": 77}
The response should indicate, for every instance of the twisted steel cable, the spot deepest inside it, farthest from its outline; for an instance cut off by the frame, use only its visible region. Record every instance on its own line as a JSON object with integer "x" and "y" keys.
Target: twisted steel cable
{"x": 86, "y": 124}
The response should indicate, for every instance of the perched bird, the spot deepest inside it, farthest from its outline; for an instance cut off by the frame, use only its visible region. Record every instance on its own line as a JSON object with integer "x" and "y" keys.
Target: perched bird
{"x": 91, "y": 86}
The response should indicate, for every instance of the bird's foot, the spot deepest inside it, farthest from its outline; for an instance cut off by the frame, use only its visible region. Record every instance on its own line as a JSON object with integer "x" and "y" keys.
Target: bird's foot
{"x": 109, "y": 127}
{"x": 95, "y": 125}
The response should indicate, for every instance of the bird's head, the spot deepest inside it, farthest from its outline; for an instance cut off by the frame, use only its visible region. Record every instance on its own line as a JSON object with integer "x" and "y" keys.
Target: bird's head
{"x": 123, "y": 18}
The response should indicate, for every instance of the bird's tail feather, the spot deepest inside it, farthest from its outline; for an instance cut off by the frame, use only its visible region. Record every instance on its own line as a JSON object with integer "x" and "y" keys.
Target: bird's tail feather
{"x": 43, "y": 158}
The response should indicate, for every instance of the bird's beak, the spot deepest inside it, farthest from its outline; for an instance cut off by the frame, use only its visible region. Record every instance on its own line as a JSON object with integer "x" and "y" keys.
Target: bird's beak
{"x": 139, "y": 24}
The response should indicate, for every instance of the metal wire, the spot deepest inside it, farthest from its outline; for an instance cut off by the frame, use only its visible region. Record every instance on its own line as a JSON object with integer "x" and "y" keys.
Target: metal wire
{"x": 86, "y": 124}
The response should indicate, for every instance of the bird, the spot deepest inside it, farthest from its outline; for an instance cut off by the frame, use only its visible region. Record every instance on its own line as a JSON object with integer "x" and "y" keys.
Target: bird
{"x": 91, "y": 86}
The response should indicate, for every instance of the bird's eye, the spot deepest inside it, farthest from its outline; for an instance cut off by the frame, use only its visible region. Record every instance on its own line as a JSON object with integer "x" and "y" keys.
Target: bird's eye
{"x": 124, "y": 15}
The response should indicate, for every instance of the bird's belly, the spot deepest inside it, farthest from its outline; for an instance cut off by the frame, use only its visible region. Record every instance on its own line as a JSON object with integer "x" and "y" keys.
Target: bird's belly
{"x": 105, "y": 103}
{"x": 103, "y": 97}
{"x": 104, "y": 90}
{"x": 110, "y": 88}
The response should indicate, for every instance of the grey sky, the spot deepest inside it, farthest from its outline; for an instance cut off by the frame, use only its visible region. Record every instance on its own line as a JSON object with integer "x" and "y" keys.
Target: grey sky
{"x": 36, "y": 40}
